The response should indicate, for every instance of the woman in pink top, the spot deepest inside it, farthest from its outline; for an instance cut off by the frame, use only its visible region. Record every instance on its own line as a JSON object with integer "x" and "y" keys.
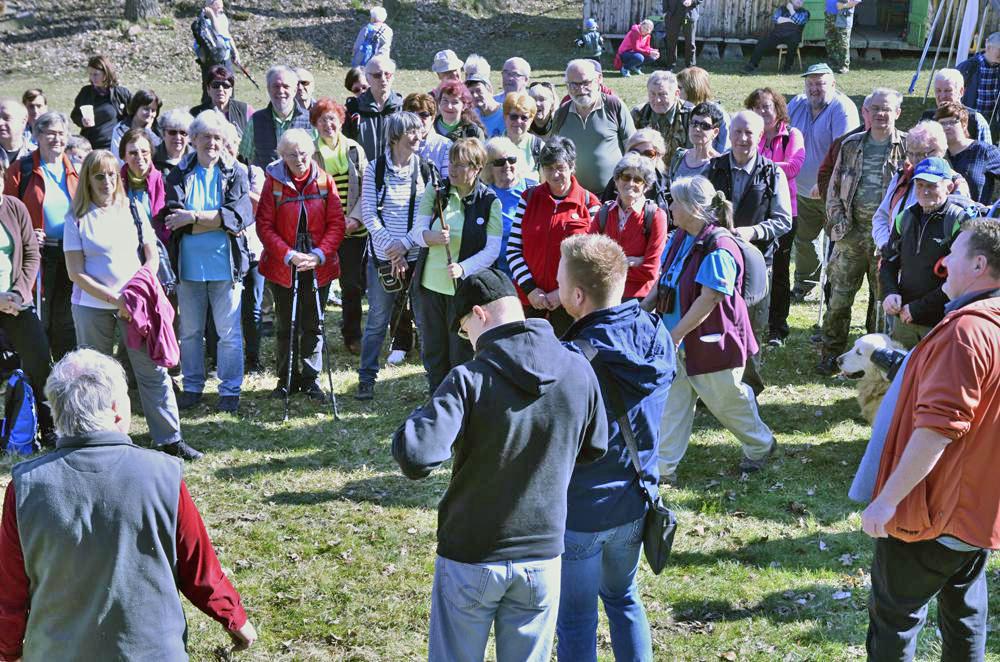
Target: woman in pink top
{"x": 784, "y": 145}
{"x": 636, "y": 49}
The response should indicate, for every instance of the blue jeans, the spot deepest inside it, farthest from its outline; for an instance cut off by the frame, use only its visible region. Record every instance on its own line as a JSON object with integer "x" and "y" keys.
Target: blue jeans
{"x": 253, "y": 298}
{"x": 517, "y": 598}
{"x": 602, "y": 563}
{"x": 632, "y": 60}
{"x": 193, "y": 298}
{"x": 380, "y": 306}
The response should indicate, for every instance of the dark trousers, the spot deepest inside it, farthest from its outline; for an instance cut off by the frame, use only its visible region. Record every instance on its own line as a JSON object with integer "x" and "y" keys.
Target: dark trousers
{"x": 57, "y": 311}
{"x": 403, "y": 338}
{"x": 27, "y": 337}
{"x": 558, "y": 318}
{"x": 905, "y": 576}
{"x": 675, "y": 23}
{"x": 769, "y": 42}
{"x": 307, "y": 359}
{"x": 352, "y": 286}
{"x": 440, "y": 348}
{"x": 781, "y": 285}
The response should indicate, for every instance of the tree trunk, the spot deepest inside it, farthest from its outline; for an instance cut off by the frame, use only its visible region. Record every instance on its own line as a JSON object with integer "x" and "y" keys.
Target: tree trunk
{"x": 141, "y": 10}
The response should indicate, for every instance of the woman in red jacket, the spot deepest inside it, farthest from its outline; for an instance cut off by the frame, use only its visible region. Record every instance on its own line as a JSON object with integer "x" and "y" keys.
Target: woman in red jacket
{"x": 547, "y": 214}
{"x": 296, "y": 189}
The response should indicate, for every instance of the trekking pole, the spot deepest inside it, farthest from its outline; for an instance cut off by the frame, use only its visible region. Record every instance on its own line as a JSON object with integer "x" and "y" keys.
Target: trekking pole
{"x": 291, "y": 337}
{"x": 927, "y": 45}
{"x": 38, "y": 294}
{"x": 326, "y": 349}
{"x": 824, "y": 245}
{"x": 444, "y": 226}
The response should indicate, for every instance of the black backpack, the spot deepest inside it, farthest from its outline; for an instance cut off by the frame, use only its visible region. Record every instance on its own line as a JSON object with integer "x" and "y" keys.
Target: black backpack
{"x": 755, "y": 279}
{"x": 649, "y": 211}
{"x": 212, "y": 49}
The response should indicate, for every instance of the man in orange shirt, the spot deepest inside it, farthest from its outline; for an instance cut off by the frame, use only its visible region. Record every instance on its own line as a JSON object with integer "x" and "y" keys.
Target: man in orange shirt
{"x": 936, "y": 512}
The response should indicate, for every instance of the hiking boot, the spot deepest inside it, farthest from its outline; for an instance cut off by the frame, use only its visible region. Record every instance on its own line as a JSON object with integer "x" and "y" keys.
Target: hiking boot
{"x": 313, "y": 391}
{"x": 827, "y": 366}
{"x": 187, "y": 400}
{"x": 228, "y": 404}
{"x": 799, "y": 294}
{"x": 182, "y": 450}
{"x": 366, "y": 391}
{"x": 749, "y": 466}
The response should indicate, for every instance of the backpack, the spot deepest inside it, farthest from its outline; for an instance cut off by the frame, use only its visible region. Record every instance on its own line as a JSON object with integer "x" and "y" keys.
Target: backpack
{"x": 20, "y": 422}
{"x": 212, "y": 49}
{"x": 755, "y": 278}
{"x": 368, "y": 47}
{"x": 649, "y": 210}
{"x": 426, "y": 170}
{"x": 27, "y": 166}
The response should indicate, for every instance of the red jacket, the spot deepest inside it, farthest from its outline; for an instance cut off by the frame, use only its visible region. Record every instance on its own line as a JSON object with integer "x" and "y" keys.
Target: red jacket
{"x": 276, "y": 226}
{"x": 544, "y": 224}
{"x": 640, "y": 279}
{"x": 34, "y": 195}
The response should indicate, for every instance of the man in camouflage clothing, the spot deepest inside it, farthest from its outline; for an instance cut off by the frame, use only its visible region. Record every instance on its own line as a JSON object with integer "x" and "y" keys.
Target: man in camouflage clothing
{"x": 839, "y": 23}
{"x": 866, "y": 164}
{"x": 665, "y": 112}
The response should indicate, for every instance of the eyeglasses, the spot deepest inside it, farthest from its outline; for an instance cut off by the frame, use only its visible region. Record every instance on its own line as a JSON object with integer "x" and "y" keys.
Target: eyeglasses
{"x": 629, "y": 178}
{"x": 105, "y": 176}
{"x": 177, "y": 132}
{"x": 919, "y": 156}
{"x": 423, "y": 114}
{"x": 704, "y": 126}
{"x": 220, "y": 85}
{"x": 949, "y": 123}
{"x": 516, "y": 117}
{"x": 580, "y": 85}
{"x": 380, "y": 74}
{"x": 648, "y": 153}
{"x": 501, "y": 162}
{"x": 513, "y": 74}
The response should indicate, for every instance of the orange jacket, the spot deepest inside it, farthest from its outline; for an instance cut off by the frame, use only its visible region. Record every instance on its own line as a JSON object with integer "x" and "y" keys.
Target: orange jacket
{"x": 952, "y": 386}
{"x": 34, "y": 195}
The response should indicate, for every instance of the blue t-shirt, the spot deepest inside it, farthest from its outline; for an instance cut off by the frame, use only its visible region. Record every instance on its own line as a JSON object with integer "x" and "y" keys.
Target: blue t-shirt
{"x": 718, "y": 271}
{"x": 493, "y": 123}
{"x": 509, "y": 198}
{"x": 57, "y": 204}
{"x": 831, "y": 7}
{"x": 205, "y": 256}
{"x": 141, "y": 197}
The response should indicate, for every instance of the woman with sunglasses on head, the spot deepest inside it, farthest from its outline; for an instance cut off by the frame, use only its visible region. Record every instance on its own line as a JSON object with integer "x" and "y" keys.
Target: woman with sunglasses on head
{"x": 434, "y": 147}
{"x": 504, "y": 177}
{"x": 101, "y": 258}
{"x": 703, "y": 130}
{"x": 544, "y": 96}
{"x": 356, "y": 82}
{"x": 518, "y": 114}
{"x": 457, "y": 117}
{"x": 143, "y": 110}
{"x": 174, "y": 125}
{"x": 220, "y": 88}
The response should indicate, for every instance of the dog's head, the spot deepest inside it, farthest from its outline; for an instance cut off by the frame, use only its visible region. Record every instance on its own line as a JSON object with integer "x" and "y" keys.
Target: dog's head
{"x": 855, "y": 362}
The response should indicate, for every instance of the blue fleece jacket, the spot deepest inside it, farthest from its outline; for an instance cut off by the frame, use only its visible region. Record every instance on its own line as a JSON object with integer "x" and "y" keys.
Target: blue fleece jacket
{"x": 634, "y": 354}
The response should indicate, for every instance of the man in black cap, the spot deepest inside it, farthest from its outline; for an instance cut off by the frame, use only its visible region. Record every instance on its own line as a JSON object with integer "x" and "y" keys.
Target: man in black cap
{"x": 518, "y": 417}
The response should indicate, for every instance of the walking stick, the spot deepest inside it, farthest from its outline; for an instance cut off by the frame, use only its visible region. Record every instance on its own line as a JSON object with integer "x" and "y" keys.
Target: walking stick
{"x": 444, "y": 226}
{"x": 38, "y": 293}
{"x": 291, "y": 337}
{"x": 825, "y": 246}
{"x": 247, "y": 74}
{"x": 326, "y": 349}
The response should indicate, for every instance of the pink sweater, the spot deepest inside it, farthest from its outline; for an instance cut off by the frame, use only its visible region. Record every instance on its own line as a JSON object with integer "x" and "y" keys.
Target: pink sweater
{"x": 152, "y": 322}
{"x": 788, "y": 154}
{"x": 633, "y": 41}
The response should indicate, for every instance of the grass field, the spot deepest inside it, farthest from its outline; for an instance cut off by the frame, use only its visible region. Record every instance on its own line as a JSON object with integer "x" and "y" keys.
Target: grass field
{"x": 333, "y": 550}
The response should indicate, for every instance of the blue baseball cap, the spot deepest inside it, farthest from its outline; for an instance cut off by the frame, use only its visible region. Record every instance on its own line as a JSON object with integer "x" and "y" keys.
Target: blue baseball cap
{"x": 933, "y": 170}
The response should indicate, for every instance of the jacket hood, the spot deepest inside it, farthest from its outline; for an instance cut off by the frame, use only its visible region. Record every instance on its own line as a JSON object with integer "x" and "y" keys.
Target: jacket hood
{"x": 277, "y": 170}
{"x": 527, "y": 354}
{"x": 367, "y": 105}
{"x": 634, "y": 347}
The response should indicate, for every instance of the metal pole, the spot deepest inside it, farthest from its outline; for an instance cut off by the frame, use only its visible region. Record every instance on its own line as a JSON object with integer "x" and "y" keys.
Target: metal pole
{"x": 291, "y": 337}
{"x": 927, "y": 45}
{"x": 955, "y": 30}
{"x": 982, "y": 27}
{"x": 937, "y": 51}
{"x": 326, "y": 349}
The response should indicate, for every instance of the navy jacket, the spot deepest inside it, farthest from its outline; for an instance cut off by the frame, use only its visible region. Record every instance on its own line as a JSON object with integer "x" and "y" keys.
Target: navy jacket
{"x": 635, "y": 355}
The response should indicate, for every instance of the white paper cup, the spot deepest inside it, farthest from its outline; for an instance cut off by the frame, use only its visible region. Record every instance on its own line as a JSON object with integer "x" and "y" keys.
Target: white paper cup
{"x": 87, "y": 115}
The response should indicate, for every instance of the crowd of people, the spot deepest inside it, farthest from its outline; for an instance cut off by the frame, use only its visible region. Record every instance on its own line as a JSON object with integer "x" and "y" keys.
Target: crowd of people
{"x": 483, "y": 225}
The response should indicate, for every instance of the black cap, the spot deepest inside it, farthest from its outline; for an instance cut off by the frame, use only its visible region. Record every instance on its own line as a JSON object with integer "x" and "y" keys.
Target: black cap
{"x": 480, "y": 289}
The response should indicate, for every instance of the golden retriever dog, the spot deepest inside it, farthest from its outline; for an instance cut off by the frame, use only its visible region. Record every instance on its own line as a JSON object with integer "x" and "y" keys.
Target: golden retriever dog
{"x": 856, "y": 363}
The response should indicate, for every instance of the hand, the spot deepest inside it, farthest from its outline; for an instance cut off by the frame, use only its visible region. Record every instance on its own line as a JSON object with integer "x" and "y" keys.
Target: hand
{"x": 744, "y": 233}
{"x": 122, "y": 310}
{"x": 455, "y": 271}
{"x": 396, "y": 251}
{"x": 399, "y": 267}
{"x": 814, "y": 192}
{"x": 304, "y": 261}
{"x": 437, "y": 237}
{"x": 180, "y": 218}
{"x": 552, "y": 299}
{"x": 40, "y": 236}
{"x": 634, "y": 261}
{"x": 904, "y": 314}
{"x": 537, "y": 300}
{"x": 244, "y": 637}
{"x": 352, "y": 225}
{"x": 892, "y": 304}
{"x": 677, "y": 338}
{"x": 687, "y": 3}
{"x": 655, "y": 54}
{"x": 875, "y": 517}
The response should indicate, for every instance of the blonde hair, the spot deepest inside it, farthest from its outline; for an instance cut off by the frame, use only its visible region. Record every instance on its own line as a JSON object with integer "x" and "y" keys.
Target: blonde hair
{"x": 694, "y": 85}
{"x": 97, "y": 160}
{"x": 468, "y": 151}
{"x": 699, "y": 198}
{"x": 596, "y": 264}
{"x": 497, "y": 147}
{"x": 521, "y": 102}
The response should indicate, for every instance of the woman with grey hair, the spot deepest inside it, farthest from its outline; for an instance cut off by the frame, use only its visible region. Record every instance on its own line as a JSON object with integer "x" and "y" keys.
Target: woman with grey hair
{"x": 547, "y": 214}
{"x": 650, "y": 144}
{"x": 392, "y": 189}
{"x": 699, "y": 297}
{"x": 174, "y": 126}
{"x": 47, "y": 189}
{"x": 208, "y": 207}
{"x": 635, "y": 222}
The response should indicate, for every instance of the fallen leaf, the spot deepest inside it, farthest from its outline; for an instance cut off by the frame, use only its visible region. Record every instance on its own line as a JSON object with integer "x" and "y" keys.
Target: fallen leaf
{"x": 841, "y": 595}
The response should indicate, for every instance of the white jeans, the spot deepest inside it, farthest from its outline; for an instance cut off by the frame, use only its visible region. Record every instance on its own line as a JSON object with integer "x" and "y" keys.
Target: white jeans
{"x": 731, "y": 402}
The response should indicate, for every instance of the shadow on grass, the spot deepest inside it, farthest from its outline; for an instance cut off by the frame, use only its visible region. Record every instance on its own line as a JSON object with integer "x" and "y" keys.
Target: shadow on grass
{"x": 385, "y": 490}
{"x": 813, "y": 551}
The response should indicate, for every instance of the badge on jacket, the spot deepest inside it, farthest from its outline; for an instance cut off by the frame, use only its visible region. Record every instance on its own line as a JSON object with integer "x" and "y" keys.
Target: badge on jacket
{"x": 480, "y": 220}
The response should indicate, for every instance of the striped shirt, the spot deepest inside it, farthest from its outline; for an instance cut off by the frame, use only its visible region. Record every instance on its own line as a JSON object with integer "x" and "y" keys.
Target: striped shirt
{"x": 394, "y": 223}
{"x": 515, "y": 255}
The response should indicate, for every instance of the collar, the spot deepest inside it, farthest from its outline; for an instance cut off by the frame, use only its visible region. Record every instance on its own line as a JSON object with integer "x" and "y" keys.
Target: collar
{"x": 278, "y": 118}
{"x": 970, "y": 297}
{"x": 597, "y": 106}
{"x": 748, "y": 168}
{"x": 597, "y": 316}
{"x": 91, "y": 439}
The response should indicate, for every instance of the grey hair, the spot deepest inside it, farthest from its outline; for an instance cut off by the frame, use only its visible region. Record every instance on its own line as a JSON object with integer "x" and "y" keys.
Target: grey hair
{"x": 892, "y": 95}
{"x": 993, "y": 40}
{"x": 647, "y": 135}
{"x": 386, "y": 62}
{"x": 296, "y": 138}
{"x": 81, "y": 389}
{"x": 931, "y": 130}
{"x": 397, "y": 124}
{"x": 557, "y": 149}
{"x": 698, "y": 196}
{"x": 230, "y": 135}
{"x": 47, "y": 120}
{"x": 647, "y": 22}
{"x": 176, "y": 118}
{"x": 518, "y": 64}
{"x": 302, "y": 70}
{"x": 868, "y": 100}
{"x": 752, "y": 119}
{"x": 16, "y": 106}
{"x": 208, "y": 121}
{"x": 583, "y": 64}
{"x": 379, "y": 14}
{"x": 660, "y": 76}
{"x": 279, "y": 70}
{"x": 632, "y": 161}
{"x": 477, "y": 64}
{"x": 953, "y": 76}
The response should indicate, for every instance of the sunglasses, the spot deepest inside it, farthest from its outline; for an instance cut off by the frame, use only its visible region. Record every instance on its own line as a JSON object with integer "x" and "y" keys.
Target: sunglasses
{"x": 501, "y": 162}
{"x": 629, "y": 178}
{"x": 704, "y": 126}
{"x": 515, "y": 117}
{"x": 177, "y": 132}
{"x": 305, "y": 83}
{"x": 220, "y": 85}
{"x": 648, "y": 153}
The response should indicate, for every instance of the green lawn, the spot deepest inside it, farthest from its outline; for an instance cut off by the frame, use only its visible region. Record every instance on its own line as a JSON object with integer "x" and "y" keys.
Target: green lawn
{"x": 333, "y": 549}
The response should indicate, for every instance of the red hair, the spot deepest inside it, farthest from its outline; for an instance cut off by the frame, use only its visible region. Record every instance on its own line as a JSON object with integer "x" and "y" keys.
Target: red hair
{"x": 326, "y": 105}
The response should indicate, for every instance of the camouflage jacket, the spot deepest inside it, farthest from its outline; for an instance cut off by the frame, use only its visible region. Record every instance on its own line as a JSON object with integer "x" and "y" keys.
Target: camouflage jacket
{"x": 847, "y": 176}
{"x": 675, "y": 133}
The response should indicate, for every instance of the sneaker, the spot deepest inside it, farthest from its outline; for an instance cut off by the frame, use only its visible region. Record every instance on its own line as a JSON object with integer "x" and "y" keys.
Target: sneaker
{"x": 313, "y": 391}
{"x": 828, "y": 366}
{"x": 637, "y": 72}
{"x": 749, "y": 466}
{"x": 187, "y": 400}
{"x": 228, "y": 404}
{"x": 775, "y": 341}
{"x": 182, "y": 450}
{"x": 396, "y": 357}
{"x": 366, "y": 391}
{"x": 626, "y": 73}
